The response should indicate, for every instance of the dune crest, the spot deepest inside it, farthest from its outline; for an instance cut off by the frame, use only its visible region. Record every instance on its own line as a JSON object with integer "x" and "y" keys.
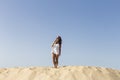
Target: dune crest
{"x": 61, "y": 73}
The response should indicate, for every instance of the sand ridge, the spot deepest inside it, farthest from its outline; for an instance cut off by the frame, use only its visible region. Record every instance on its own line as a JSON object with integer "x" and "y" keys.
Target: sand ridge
{"x": 61, "y": 73}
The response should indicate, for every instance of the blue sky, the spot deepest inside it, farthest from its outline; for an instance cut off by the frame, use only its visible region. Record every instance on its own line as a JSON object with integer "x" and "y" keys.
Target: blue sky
{"x": 90, "y": 30}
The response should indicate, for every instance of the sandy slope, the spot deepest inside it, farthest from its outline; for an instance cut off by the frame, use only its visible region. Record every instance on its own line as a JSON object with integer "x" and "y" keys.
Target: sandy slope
{"x": 61, "y": 73}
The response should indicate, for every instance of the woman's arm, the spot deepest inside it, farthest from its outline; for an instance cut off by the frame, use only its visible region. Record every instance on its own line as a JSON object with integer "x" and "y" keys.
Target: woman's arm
{"x": 59, "y": 49}
{"x": 52, "y": 44}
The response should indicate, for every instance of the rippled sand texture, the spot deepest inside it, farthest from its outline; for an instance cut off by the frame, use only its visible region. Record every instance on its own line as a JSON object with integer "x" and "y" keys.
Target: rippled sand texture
{"x": 61, "y": 73}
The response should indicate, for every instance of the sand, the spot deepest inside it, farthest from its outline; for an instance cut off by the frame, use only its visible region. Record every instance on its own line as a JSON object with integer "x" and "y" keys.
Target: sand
{"x": 61, "y": 73}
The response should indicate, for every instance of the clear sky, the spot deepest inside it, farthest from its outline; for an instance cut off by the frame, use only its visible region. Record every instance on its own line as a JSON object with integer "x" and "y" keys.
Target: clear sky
{"x": 90, "y": 30}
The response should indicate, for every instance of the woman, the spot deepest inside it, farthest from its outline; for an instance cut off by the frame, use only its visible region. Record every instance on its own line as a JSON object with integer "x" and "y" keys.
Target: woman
{"x": 56, "y": 50}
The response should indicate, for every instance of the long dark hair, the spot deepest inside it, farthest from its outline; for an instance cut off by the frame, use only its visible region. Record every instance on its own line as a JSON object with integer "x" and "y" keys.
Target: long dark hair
{"x": 58, "y": 40}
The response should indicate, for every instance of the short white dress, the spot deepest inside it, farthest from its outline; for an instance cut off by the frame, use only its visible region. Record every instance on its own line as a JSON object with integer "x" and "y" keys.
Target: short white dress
{"x": 55, "y": 49}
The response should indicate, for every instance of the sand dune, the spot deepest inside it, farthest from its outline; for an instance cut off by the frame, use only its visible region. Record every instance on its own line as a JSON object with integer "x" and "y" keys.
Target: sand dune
{"x": 61, "y": 73}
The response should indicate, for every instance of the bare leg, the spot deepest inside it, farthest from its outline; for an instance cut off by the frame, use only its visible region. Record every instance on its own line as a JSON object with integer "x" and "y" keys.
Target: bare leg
{"x": 57, "y": 57}
{"x": 54, "y": 59}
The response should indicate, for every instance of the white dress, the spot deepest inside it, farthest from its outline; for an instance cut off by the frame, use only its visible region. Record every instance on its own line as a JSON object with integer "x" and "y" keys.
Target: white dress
{"x": 55, "y": 49}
